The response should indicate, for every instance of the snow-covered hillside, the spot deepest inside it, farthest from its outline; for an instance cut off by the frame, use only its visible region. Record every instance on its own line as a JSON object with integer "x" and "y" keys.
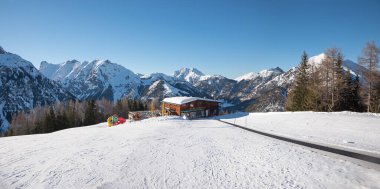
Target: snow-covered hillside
{"x": 96, "y": 79}
{"x": 23, "y": 87}
{"x": 172, "y": 153}
{"x": 358, "y": 131}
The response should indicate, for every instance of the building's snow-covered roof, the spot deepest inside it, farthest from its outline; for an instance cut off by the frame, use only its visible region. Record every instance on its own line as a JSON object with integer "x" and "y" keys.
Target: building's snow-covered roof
{"x": 183, "y": 100}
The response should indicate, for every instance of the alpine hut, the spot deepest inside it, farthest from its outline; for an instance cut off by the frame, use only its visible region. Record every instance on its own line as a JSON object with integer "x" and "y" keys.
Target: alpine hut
{"x": 191, "y": 107}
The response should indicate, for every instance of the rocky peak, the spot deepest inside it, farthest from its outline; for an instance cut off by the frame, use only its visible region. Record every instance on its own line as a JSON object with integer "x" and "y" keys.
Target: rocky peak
{"x": 2, "y": 51}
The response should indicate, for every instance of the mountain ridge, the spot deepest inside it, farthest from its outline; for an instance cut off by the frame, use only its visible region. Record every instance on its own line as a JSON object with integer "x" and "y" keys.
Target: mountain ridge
{"x": 262, "y": 91}
{"x": 192, "y": 82}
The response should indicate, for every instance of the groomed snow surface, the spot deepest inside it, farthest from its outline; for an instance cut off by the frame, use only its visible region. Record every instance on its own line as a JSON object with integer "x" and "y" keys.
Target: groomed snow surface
{"x": 357, "y": 131}
{"x": 169, "y": 152}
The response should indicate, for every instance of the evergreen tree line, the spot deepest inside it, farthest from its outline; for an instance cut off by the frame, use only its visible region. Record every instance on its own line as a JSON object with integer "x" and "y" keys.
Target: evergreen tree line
{"x": 328, "y": 87}
{"x": 63, "y": 115}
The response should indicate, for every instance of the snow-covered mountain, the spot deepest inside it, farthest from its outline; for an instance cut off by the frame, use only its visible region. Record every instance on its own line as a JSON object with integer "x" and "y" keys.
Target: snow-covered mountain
{"x": 103, "y": 79}
{"x": 317, "y": 59}
{"x": 271, "y": 95}
{"x": 347, "y": 64}
{"x": 86, "y": 80}
{"x": 23, "y": 87}
{"x": 159, "y": 85}
{"x": 354, "y": 68}
{"x": 242, "y": 93}
{"x": 96, "y": 79}
{"x": 264, "y": 91}
{"x": 190, "y": 75}
{"x": 247, "y": 89}
{"x": 161, "y": 89}
{"x": 247, "y": 76}
{"x": 217, "y": 86}
{"x": 148, "y": 79}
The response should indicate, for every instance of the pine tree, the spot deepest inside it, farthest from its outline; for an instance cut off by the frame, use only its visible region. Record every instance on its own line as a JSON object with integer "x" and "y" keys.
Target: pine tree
{"x": 76, "y": 120}
{"x": 346, "y": 101}
{"x": 10, "y": 132}
{"x": 357, "y": 103}
{"x": 142, "y": 106}
{"x": 50, "y": 121}
{"x": 62, "y": 121}
{"x": 37, "y": 127}
{"x": 316, "y": 88}
{"x": 301, "y": 98}
{"x": 340, "y": 84}
{"x": 90, "y": 113}
{"x": 130, "y": 105}
{"x": 351, "y": 94}
{"x": 134, "y": 105}
{"x": 27, "y": 128}
{"x": 119, "y": 108}
{"x": 376, "y": 95}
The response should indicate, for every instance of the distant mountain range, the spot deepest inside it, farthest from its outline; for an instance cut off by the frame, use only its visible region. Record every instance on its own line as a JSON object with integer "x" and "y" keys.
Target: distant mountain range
{"x": 24, "y": 87}
{"x": 96, "y": 79}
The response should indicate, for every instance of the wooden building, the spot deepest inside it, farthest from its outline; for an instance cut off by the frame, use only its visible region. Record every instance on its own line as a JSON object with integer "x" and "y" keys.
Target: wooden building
{"x": 191, "y": 107}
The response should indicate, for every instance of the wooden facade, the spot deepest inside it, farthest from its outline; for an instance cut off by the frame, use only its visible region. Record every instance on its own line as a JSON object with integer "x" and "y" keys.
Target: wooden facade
{"x": 194, "y": 109}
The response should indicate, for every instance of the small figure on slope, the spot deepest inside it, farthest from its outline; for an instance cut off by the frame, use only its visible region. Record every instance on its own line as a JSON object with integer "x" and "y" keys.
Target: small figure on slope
{"x": 115, "y": 120}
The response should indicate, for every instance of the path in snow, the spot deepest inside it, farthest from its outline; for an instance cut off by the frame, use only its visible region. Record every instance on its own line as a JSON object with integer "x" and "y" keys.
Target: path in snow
{"x": 170, "y": 154}
{"x": 365, "y": 159}
{"x": 357, "y": 131}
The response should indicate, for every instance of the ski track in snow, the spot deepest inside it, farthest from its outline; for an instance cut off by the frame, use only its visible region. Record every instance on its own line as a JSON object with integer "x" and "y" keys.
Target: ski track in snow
{"x": 357, "y": 131}
{"x": 173, "y": 153}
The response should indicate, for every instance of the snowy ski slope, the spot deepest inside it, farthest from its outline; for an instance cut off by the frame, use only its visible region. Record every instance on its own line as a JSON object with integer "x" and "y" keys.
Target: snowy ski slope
{"x": 170, "y": 153}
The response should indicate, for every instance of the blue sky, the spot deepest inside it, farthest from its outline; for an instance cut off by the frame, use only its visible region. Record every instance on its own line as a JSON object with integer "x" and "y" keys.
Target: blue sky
{"x": 227, "y": 37}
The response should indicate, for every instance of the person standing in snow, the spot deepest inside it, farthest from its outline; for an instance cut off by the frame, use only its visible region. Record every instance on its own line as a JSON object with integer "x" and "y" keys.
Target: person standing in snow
{"x": 114, "y": 119}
